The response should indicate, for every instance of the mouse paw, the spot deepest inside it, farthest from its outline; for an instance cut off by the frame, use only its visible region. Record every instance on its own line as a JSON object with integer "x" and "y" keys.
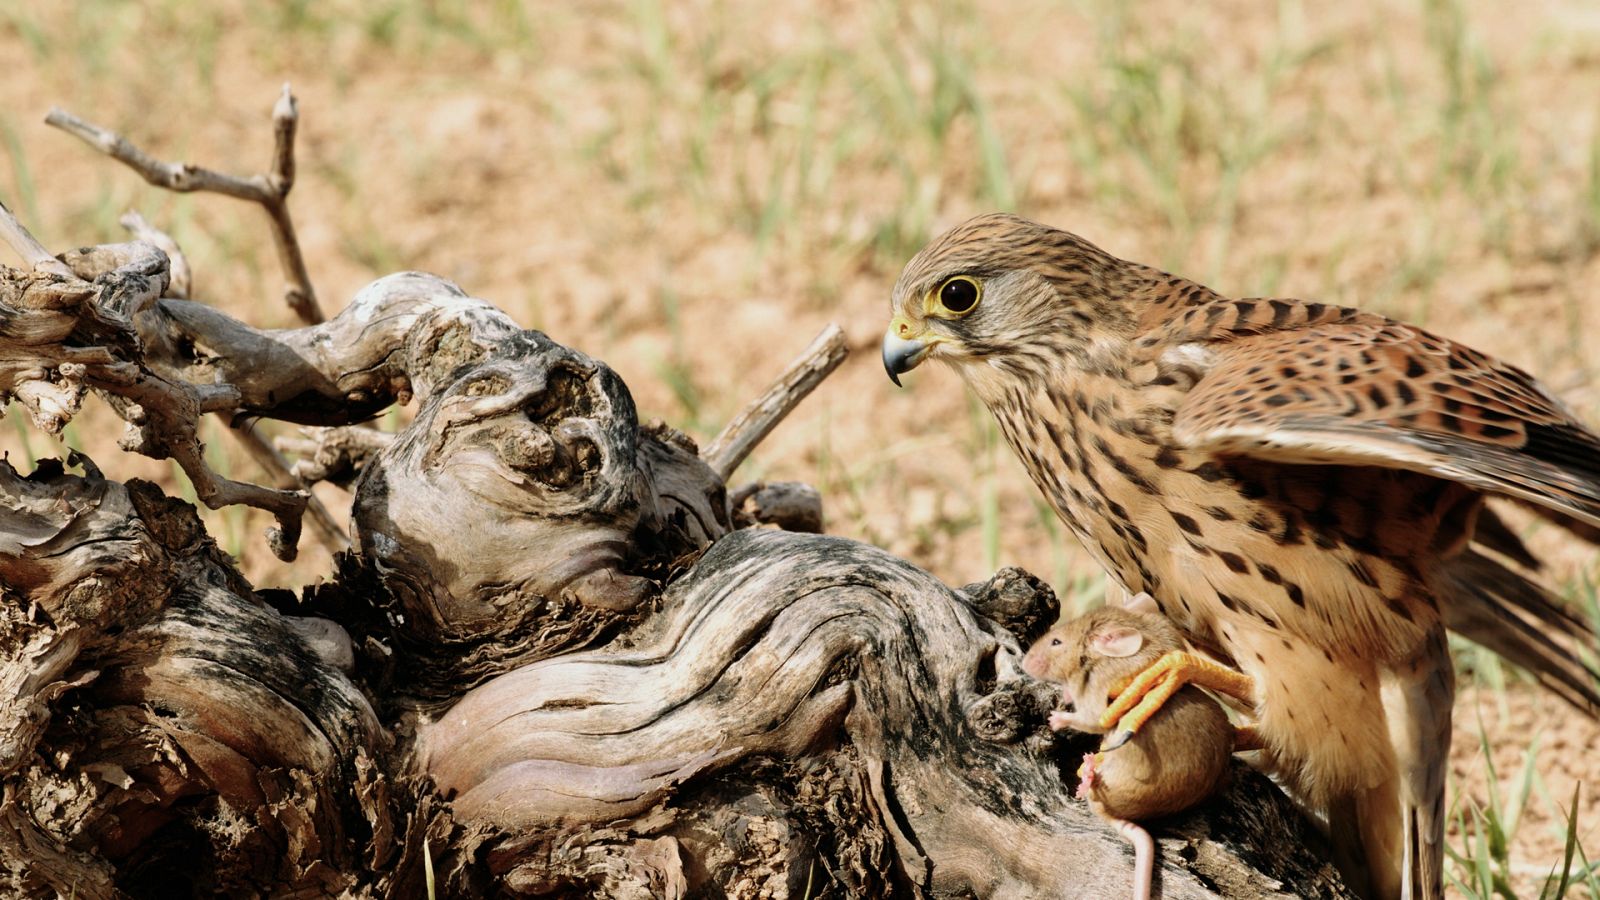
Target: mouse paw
{"x": 1087, "y": 775}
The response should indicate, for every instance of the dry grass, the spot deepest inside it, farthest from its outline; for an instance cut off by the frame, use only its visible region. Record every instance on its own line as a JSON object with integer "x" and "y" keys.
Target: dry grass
{"x": 690, "y": 190}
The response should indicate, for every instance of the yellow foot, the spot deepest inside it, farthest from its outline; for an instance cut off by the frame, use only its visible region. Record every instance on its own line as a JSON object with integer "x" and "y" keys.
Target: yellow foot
{"x": 1150, "y": 689}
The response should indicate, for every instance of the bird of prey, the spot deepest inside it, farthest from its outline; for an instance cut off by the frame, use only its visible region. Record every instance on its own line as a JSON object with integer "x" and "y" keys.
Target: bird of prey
{"x": 1299, "y": 485}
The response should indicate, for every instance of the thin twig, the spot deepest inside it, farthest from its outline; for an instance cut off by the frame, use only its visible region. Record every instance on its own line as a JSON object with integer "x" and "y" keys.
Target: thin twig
{"x": 27, "y": 247}
{"x": 298, "y": 293}
{"x": 323, "y": 524}
{"x": 270, "y": 190}
{"x": 753, "y": 423}
{"x": 180, "y": 177}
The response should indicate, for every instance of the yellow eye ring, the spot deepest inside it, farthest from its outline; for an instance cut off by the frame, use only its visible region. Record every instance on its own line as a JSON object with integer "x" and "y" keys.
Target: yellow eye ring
{"x": 957, "y": 297}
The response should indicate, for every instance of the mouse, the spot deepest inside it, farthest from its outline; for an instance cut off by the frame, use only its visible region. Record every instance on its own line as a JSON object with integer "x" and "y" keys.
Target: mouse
{"x": 1176, "y": 758}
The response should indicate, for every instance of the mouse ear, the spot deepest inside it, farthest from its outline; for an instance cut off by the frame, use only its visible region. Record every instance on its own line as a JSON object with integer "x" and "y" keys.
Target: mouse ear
{"x": 1142, "y": 602}
{"x": 1116, "y": 641}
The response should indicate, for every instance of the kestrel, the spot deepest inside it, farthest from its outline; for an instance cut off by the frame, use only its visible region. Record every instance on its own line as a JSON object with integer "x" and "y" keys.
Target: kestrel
{"x": 1297, "y": 484}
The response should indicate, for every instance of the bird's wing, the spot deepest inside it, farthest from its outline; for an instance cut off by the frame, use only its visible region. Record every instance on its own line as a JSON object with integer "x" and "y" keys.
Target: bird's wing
{"x": 1359, "y": 389}
{"x": 1496, "y": 606}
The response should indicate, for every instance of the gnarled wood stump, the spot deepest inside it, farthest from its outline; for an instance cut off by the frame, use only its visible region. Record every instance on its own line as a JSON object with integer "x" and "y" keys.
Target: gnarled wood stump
{"x": 556, "y": 661}
{"x": 499, "y": 669}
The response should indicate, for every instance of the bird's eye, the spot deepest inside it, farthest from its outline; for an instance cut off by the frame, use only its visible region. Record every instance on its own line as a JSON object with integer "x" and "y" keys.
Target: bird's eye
{"x": 958, "y": 296}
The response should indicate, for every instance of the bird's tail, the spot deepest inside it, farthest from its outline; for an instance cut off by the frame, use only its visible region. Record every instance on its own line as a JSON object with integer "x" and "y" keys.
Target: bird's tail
{"x": 1417, "y": 697}
{"x": 1489, "y": 603}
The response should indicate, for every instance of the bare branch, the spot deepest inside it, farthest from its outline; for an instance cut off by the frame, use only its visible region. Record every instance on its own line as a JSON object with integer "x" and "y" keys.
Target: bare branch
{"x": 173, "y": 176}
{"x": 31, "y": 251}
{"x": 298, "y": 293}
{"x": 270, "y": 190}
{"x": 334, "y": 454}
{"x": 753, "y": 423}
{"x": 163, "y": 417}
{"x": 326, "y": 528}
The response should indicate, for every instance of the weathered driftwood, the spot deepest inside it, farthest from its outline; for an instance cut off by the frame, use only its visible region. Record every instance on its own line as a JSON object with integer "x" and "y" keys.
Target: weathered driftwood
{"x": 551, "y": 664}
{"x": 799, "y": 647}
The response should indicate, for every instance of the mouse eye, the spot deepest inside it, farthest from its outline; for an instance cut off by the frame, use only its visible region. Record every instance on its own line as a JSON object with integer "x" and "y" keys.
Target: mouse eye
{"x": 1055, "y": 642}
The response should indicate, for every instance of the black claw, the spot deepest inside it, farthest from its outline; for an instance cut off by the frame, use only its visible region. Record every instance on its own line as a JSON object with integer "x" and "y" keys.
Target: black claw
{"x": 1116, "y": 740}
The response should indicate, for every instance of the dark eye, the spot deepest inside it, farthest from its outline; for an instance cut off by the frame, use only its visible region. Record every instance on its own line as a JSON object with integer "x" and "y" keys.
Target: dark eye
{"x": 1055, "y": 642}
{"x": 959, "y": 295}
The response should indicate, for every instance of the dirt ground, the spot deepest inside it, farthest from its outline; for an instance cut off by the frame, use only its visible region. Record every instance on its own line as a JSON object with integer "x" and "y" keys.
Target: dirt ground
{"x": 1540, "y": 751}
{"x": 691, "y": 190}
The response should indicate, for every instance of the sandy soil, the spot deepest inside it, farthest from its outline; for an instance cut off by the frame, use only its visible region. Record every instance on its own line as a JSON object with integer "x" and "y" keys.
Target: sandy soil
{"x": 1528, "y": 731}
{"x": 689, "y": 191}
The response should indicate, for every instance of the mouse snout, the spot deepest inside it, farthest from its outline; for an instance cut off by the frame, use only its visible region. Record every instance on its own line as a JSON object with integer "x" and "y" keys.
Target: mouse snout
{"x": 1033, "y": 664}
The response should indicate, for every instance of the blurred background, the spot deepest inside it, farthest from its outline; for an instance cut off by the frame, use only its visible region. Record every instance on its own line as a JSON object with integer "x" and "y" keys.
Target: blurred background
{"x": 691, "y": 190}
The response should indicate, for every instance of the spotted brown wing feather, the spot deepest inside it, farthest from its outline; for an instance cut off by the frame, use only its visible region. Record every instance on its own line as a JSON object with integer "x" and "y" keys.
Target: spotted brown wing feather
{"x": 1358, "y": 389}
{"x": 1493, "y": 605}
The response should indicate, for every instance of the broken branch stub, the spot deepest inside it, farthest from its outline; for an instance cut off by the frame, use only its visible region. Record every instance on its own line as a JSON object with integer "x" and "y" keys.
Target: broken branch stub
{"x": 757, "y": 419}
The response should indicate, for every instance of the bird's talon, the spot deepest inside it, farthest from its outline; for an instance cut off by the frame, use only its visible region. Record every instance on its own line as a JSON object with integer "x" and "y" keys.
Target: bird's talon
{"x": 1116, "y": 740}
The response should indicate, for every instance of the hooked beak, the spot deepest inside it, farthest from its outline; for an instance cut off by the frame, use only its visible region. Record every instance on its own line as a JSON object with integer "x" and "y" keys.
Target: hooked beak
{"x": 903, "y": 350}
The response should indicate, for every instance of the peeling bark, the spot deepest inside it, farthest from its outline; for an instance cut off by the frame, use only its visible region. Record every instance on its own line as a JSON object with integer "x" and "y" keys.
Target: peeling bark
{"x": 160, "y": 719}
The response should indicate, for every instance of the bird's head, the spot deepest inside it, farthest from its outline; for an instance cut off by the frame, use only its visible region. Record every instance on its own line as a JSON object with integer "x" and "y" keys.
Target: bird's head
{"x": 1000, "y": 293}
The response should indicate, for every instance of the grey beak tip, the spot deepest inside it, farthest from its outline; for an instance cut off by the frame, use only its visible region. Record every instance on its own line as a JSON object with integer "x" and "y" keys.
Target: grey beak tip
{"x": 889, "y": 366}
{"x": 901, "y": 355}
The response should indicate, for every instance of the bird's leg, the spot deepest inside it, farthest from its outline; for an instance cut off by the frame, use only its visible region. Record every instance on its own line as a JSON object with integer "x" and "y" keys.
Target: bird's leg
{"x": 1150, "y": 689}
{"x": 1144, "y": 856}
{"x": 1155, "y": 696}
{"x": 1134, "y": 691}
{"x": 1247, "y": 738}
